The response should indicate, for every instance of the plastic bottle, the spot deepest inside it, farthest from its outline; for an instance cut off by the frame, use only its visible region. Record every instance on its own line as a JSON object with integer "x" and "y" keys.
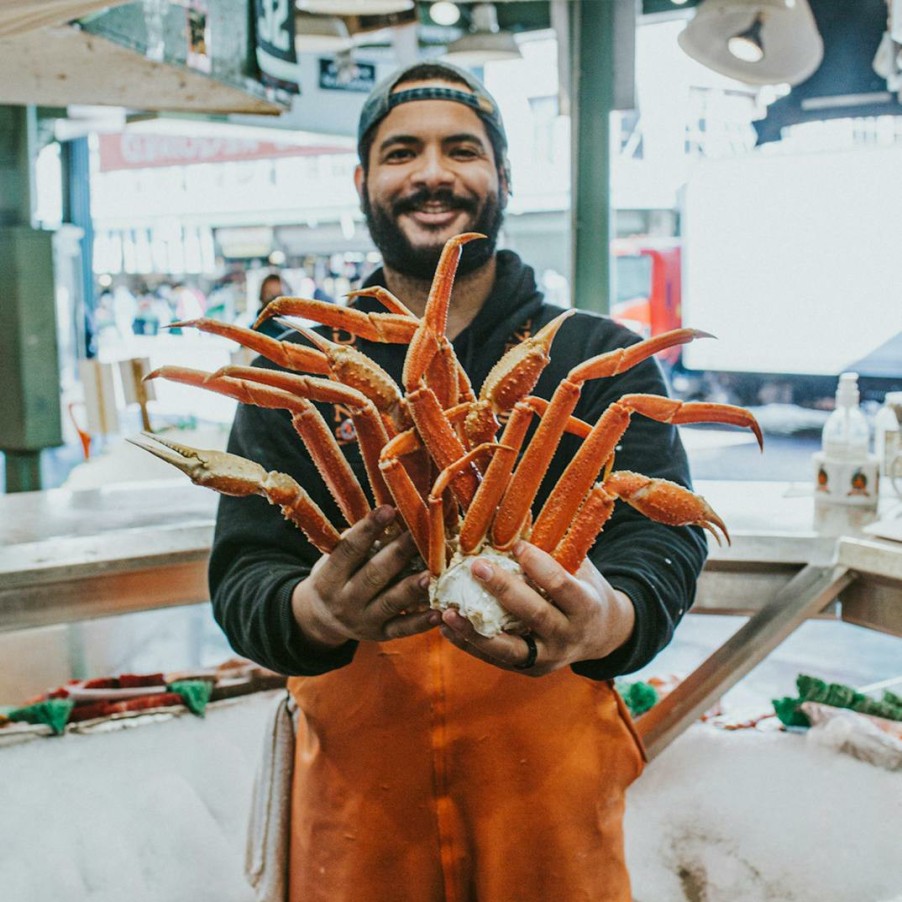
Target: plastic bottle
{"x": 846, "y": 433}
{"x": 846, "y": 475}
{"x": 888, "y": 437}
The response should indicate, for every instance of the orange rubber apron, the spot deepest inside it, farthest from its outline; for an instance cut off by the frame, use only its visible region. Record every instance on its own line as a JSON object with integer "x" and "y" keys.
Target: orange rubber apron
{"x": 424, "y": 775}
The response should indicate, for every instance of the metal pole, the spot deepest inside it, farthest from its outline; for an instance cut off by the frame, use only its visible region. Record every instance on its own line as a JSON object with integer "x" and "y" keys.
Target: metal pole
{"x": 591, "y": 103}
{"x": 77, "y": 210}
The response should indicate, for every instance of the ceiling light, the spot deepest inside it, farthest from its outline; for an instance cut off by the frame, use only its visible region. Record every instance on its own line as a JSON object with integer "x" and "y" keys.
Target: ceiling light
{"x": 747, "y": 45}
{"x": 320, "y": 34}
{"x": 485, "y": 43}
{"x": 760, "y": 42}
{"x": 354, "y": 7}
{"x": 443, "y": 12}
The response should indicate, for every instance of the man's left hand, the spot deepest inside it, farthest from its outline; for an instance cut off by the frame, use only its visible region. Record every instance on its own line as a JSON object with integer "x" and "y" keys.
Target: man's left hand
{"x": 579, "y": 617}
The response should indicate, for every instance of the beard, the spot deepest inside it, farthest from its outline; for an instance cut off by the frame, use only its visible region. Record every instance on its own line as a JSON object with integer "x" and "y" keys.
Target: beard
{"x": 420, "y": 262}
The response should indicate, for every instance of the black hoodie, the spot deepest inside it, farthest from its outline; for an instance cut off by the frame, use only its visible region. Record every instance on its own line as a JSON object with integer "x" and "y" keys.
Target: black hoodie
{"x": 258, "y": 557}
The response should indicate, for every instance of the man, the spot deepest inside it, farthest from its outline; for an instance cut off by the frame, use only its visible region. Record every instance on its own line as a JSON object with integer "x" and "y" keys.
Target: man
{"x": 428, "y": 766}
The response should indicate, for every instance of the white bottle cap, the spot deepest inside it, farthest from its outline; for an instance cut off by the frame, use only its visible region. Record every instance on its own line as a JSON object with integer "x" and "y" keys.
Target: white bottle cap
{"x": 847, "y": 390}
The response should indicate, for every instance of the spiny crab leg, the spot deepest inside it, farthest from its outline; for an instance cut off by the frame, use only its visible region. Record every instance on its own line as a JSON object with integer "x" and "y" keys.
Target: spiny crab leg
{"x": 424, "y": 343}
{"x": 442, "y": 442}
{"x": 391, "y": 303}
{"x": 427, "y": 398}
{"x": 575, "y": 426}
{"x": 230, "y": 474}
{"x": 437, "y": 548}
{"x": 525, "y": 483}
{"x": 594, "y": 513}
{"x": 370, "y": 429}
{"x": 479, "y": 516}
{"x": 418, "y": 467}
{"x": 658, "y": 499}
{"x": 665, "y": 502}
{"x": 305, "y": 418}
{"x": 576, "y": 480}
{"x": 354, "y": 369}
{"x": 407, "y": 499}
{"x": 394, "y": 328}
{"x": 515, "y": 375}
{"x": 288, "y": 354}
{"x": 511, "y": 379}
{"x": 669, "y": 410}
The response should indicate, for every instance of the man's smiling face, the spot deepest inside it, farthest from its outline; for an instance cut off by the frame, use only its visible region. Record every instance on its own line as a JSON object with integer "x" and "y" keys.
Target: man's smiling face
{"x": 432, "y": 174}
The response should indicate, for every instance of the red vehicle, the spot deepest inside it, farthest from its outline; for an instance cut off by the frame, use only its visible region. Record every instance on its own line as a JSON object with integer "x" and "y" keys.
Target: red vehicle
{"x": 647, "y": 287}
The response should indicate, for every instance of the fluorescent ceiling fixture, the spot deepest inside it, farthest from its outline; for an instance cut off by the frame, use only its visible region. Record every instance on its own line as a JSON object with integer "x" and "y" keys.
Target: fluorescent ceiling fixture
{"x": 443, "y": 12}
{"x": 354, "y": 7}
{"x": 723, "y": 34}
{"x": 485, "y": 43}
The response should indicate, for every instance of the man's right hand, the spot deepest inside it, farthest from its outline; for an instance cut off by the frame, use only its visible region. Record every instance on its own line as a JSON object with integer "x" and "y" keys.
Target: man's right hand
{"x": 353, "y": 593}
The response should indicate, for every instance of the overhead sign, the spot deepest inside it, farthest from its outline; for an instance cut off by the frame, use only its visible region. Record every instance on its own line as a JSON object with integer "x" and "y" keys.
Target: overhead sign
{"x": 341, "y": 74}
{"x": 137, "y": 151}
{"x": 276, "y": 53}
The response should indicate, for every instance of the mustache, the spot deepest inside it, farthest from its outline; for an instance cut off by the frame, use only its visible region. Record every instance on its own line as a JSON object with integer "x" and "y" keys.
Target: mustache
{"x": 422, "y": 196}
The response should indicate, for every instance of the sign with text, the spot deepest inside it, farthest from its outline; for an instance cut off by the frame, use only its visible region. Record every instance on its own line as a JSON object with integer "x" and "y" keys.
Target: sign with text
{"x": 137, "y": 151}
{"x": 276, "y": 53}
{"x": 340, "y": 74}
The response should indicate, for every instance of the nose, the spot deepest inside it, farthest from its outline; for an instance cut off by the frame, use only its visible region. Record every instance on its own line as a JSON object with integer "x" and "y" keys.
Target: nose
{"x": 433, "y": 170}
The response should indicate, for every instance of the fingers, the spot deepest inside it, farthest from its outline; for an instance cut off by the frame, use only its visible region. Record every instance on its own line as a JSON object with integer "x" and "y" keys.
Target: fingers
{"x": 360, "y": 589}
{"x": 567, "y": 617}
{"x": 382, "y": 568}
{"x": 510, "y": 652}
{"x": 411, "y": 624}
{"x": 550, "y": 577}
{"x": 405, "y": 596}
{"x": 520, "y": 596}
{"x": 355, "y": 545}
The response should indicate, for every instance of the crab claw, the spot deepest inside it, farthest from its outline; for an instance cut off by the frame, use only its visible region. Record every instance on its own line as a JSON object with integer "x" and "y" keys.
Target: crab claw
{"x": 230, "y": 474}
{"x": 665, "y": 502}
{"x": 219, "y": 470}
{"x": 669, "y": 410}
{"x": 516, "y": 373}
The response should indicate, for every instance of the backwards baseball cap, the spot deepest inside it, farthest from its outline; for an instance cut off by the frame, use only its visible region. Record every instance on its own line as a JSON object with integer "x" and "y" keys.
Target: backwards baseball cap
{"x": 384, "y": 98}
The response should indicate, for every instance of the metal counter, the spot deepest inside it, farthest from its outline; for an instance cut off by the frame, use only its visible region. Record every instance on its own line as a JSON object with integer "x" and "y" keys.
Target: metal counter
{"x": 75, "y": 555}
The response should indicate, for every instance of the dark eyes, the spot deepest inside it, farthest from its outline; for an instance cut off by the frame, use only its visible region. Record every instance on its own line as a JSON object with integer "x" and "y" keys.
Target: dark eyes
{"x": 398, "y": 154}
{"x": 458, "y": 152}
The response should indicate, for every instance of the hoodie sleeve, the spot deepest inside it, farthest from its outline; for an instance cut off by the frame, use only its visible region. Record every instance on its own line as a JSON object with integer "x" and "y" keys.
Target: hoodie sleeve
{"x": 656, "y": 565}
{"x": 258, "y": 557}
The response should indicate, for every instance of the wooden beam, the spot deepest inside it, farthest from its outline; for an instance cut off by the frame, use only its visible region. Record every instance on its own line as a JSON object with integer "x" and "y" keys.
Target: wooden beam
{"x": 58, "y": 66}
{"x": 808, "y": 593}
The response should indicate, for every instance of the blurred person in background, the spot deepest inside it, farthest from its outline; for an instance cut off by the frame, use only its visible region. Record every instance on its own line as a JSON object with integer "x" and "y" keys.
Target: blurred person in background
{"x": 273, "y": 286}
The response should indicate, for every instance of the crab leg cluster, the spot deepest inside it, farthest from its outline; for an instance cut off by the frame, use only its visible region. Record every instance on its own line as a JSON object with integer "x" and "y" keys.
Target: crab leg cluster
{"x": 436, "y": 450}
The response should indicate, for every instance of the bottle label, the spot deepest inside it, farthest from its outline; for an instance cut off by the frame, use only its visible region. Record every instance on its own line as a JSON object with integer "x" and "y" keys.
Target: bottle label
{"x": 892, "y": 460}
{"x": 853, "y": 483}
